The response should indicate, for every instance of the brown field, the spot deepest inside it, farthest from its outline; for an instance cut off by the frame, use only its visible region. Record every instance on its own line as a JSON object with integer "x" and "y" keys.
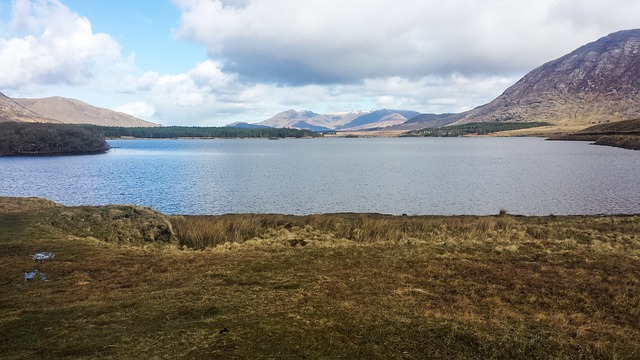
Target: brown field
{"x": 129, "y": 283}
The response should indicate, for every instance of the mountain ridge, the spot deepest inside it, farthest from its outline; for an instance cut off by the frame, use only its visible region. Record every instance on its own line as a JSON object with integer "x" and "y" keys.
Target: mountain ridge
{"x": 11, "y": 111}
{"x": 345, "y": 121}
{"x": 73, "y": 111}
{"x": 597, "y": 82}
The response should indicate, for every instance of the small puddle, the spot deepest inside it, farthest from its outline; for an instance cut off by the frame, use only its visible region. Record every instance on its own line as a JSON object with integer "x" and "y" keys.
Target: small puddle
{"x": 37, "y": 274}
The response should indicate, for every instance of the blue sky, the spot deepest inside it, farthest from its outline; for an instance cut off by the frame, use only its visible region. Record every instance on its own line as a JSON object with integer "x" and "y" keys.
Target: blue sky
{"x": 145, "y": 28}
{"x": 213, "y": 62}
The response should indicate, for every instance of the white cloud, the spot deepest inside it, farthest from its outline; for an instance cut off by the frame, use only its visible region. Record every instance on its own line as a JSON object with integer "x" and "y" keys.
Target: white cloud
{"x": 56, "y": 46}
{"x": 337, "y": 41}
{"x": 597, "y": 17}
{"x": 139, "y": 109}
{"x": 256, "y": 102}
{"x": 266, "y": 56}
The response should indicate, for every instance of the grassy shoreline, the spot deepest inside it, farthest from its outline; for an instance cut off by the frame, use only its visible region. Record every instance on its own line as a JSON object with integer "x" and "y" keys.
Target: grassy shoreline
{"x": 623, "y": 134}
{"x": 127, "y": 282}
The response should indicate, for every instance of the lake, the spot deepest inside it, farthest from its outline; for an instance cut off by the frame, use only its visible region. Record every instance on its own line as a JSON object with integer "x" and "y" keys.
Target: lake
{"x": 414, "y": 176}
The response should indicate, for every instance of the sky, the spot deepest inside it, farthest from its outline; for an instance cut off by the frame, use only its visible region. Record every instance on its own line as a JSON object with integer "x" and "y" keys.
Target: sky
{"x": 214, "y": 62}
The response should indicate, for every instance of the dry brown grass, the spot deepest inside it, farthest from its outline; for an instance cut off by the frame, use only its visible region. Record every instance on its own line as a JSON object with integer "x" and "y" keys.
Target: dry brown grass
{"x": 326, "y": 286}
{"x": 10, "y": 205}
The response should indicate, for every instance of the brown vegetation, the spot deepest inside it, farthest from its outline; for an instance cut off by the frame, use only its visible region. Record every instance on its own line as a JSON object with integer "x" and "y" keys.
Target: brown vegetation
{"x": 621, "y": 141}
{"x": 319, "y": 286}
{"x": 623, "y": 134}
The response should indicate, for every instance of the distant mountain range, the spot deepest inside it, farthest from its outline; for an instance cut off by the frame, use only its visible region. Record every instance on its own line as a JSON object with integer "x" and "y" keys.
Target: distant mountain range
{"x": 63, "y": 110}
{"x": 598, "y": 82}
{"x": 349, "y": 121}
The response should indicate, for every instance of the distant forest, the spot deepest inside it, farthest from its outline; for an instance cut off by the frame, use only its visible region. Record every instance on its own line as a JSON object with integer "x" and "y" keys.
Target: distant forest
{"x": 49, "y": 139}
{"x": 198, "y": 132}
{"x": 59, "y": 139}
{"x": 480, "y": 128}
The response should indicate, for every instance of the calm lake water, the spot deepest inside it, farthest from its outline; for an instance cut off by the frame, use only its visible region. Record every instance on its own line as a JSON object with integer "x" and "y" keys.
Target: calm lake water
{"x": 443, "y": 176}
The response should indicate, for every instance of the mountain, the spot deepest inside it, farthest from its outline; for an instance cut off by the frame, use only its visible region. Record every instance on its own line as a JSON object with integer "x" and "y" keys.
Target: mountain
{"x": 303, "y": 125}
{"x": 71, "y": 111}
{"x": 348, "y": 121}
{"x": 306, "y": 119}
{"x": 597, "y": 82}
{"x": 424, "y": 121}
{"x": 11, "y": 111}
{"x": 245, "y": 125}
{"x": 379, "y": 118}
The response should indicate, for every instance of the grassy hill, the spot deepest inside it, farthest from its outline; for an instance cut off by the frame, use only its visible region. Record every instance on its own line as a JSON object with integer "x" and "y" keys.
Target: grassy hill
{"x": 126, "y": 282}
{"x": 624, "y": 134}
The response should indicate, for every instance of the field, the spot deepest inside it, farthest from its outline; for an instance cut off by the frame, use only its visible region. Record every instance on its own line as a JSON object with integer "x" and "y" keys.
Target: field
{"x": 124, "y": 282}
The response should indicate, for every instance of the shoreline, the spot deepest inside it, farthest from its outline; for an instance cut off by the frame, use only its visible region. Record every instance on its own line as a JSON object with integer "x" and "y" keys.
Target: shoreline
{"x": 7, "y": 201}
{"x": 18, "y": 204}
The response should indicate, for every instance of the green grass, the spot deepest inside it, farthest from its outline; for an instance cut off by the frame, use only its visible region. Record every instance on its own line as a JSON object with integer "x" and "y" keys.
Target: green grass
{"x": 361, "y": 286}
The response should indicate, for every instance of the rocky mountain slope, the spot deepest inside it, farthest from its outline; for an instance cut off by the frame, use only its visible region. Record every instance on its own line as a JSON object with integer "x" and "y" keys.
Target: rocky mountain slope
{"x": 71, "y": 111}
{"x": 597, "y": 82}
{"x": 11, "y": 111}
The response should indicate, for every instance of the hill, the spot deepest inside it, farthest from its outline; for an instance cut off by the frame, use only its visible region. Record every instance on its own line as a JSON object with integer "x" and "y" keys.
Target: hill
{"x": 596, "y": 83}
{"x": 11, "y": 111}
{"x": 71, "y": 111}
{"x": 428, "y": 121}
{"x": 245, "y": 125}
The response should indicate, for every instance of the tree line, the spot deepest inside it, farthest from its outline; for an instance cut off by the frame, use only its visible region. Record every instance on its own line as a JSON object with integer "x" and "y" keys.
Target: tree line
{"x": 199, "y": 132}
{"x": 49, "y": 139}
{"x": 479, "y": 128}
{"x": 57, "y": 139}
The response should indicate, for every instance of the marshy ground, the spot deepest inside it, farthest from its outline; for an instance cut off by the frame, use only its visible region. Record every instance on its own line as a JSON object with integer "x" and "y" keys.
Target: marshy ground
{"x": 126, "y": 282}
